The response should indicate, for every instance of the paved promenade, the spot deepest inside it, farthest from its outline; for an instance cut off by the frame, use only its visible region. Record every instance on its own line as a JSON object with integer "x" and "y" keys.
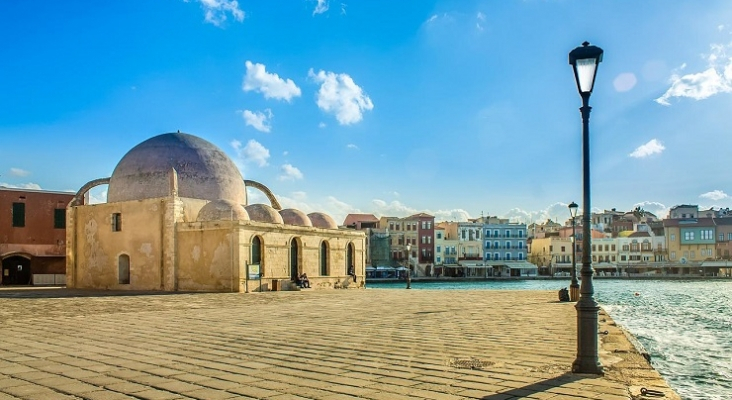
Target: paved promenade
{"x": 334, "y": 344}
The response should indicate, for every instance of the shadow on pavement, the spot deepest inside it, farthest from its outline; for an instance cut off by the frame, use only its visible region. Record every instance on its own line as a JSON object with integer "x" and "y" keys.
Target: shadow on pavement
{"x": 61, "y": 292}
{"x": 536, "y": 387}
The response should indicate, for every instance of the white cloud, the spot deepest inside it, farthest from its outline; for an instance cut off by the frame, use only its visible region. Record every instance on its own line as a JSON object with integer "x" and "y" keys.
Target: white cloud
{"x": 715, "y": 195}
{"x": 322, "y": 125}
{"x": 343, "y": 8}
{"x": 258, "y": 120}
{"x": 19, "y": 172}
{"x": 396, "y": 208}
{"x": 717, "y": 78}
{"x": 29, "y": 185}
{"x": 720, "y": 27}
{"x": 299, "y": 195}
{"x": 481, "y": 18}
{"x": 625, "y": 82}
{"x": 352, "y": 146}
{"x": 321, "y": 7}
{"x": 340, "y": 95}
{"x": 271, "y": 85}
{"x": 557, "y": 212}
{"x": 215, "y": 11}
{"x": 652, "y": 147}
{"x": 285, "y": 153}
{"x": 253, "y": 152}
{"x": 98, "y": 196}
{"x": 431, "y": 19}
{"x": 289, "y": 173}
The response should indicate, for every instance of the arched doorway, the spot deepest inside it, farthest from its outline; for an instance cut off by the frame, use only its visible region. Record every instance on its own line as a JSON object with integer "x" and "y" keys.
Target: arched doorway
{"x": 349, "y": 259}
{"x": 16, "y": 271}
{"x": 294, "y": 259}
{"x": 324, "y": 259}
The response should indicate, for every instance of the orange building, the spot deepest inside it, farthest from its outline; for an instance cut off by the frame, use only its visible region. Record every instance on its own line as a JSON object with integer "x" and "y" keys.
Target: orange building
{"x": 32, "y": 236}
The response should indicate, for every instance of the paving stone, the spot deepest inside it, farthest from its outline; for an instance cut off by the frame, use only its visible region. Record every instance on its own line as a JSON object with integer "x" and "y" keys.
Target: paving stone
{"x": 314, "y": 344}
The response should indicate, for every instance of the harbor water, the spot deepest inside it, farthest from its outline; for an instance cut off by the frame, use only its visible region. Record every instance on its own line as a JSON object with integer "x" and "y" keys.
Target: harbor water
{"x": 686, "y": 326}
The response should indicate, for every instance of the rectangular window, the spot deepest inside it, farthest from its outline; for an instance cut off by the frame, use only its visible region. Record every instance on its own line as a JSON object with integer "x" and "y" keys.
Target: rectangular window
{"x": 463, "y": 234}
{"x": 18, "y": 215}
{"x": 613, "y": 247}
{"x": 424, "y": 224}
{"x": 721, "y": 237}
{"x": 562, "y": 249}
{"x": 59, "y": 218}
{"x": 429, "y": 224}
{"x": 438, "y": 249}
{"x": 729, "y": 236}
{"x": 673, "y": 255}
{"x": 439, "y": 235}
{"x": 693, "y": 255}
{"x": 116, "y": 222}
{"x": 593, "y": 248}
{"x": 429, "y": 239}
{"x": 673, "y": 237}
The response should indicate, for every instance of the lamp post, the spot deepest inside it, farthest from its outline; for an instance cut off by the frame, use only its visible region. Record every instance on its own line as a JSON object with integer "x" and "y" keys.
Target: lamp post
{"x": 584, "y": 61}
{"x": 574, "y": 286}
{"x": 409, "y": 271}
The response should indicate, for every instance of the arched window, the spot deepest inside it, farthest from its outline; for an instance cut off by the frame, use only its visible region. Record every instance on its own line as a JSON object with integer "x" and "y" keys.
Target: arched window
{"x": 508, "y": 256}
{"x": 520, "y": 256}
{"x": 256, "y": 258}
{"x": 123, "y": 266}
{"x": 324, "y": 258}
{"x": 349, "y": 258}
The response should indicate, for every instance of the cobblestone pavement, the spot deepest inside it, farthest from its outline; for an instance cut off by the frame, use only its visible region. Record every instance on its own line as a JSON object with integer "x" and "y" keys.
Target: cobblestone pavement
{"x": 327, "y": 344}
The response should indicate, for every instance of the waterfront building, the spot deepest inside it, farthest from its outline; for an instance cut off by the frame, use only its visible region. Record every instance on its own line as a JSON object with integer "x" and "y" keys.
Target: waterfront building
{"x": 446, "y": 250}
{"x": 542, "y": 229}
{"x": 177, "y": 219}
{"x": 470, "y": 254}
{"x": 416, "y": 231}
{"x": 33, "y": 236}
{"x": 684, "y": 211}
{"x": 505, "y": 248}
{"x": 690, "y": 241}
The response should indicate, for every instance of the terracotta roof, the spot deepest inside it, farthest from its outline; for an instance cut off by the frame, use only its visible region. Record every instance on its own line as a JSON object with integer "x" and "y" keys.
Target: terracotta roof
{"x": 639, "y": 234}
{"x": 352, "y": 219}
{"x": 420, "y": 215}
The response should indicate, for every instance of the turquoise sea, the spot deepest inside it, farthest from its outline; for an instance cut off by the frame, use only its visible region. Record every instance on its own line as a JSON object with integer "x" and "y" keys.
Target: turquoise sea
{"x": 686, "y": 326}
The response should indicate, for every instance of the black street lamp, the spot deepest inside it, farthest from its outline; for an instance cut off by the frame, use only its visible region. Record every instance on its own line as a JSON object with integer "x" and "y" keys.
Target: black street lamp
{"x": 574, "y": 286}
{"x": 584, "y": 61}
{"x": 409, "y": 271}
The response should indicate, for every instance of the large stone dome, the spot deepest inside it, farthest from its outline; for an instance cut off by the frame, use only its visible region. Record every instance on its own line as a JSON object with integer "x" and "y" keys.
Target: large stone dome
{"x": 204, "y": 171}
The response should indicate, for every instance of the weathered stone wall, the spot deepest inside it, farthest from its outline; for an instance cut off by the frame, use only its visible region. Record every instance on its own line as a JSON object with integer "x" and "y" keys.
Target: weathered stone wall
{"x": 97, "y": 248}
{"x": 207, "y": 258}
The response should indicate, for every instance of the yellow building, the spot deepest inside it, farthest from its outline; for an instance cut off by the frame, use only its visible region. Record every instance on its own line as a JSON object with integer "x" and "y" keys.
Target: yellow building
{"x": 177, "y": 219}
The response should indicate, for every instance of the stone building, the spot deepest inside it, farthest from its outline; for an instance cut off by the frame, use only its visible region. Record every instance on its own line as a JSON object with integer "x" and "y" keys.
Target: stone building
{"x": 32, "y": 236}
{"x": 177, "y": 219}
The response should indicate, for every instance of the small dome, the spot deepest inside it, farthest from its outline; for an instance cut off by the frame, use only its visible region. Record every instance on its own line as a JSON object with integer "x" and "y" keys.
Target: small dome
{"x": 222, "y": 210}
{"x": 204, "y": 171}
{"x": 295, "y": 217}
{"x": 263, "y": 213}
{"x": 322, "y": 220}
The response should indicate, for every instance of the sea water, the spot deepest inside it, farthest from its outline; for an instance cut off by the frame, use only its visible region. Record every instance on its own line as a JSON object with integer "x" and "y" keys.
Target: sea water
{"x": 686, "y": 326}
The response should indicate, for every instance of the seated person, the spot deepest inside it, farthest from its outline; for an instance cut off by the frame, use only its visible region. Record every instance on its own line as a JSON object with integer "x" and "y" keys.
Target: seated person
{"x": 303, "y": 281}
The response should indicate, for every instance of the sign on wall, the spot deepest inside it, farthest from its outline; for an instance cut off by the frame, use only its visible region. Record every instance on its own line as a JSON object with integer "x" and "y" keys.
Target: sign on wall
{"x": 254, "y": 271}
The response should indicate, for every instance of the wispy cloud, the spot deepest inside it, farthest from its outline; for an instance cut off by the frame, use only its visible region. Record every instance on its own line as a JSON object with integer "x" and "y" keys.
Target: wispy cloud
{"x": 216, "y": 11}
{"x": 717, "y": 78}
{"x": 289, "y": 173}
{"x": 396, "y": 208}
{"x": 253, "y": 152}
{"x": 29, "y": 185}
{"x": 322, "y": 125}
{"x": 652, "y": 147}
{"x": 321, "y": 7}
{"x": 624, "y": 82}
{"x": 352, "y": 146}
{"x": 270, "y": 85}
{"x": 340, "y": 95}
{"x": 258, "y": 120}
{"x": 19, "y": 172}
{"x": 481, "y": 18}
{"x": 715, "y": 195}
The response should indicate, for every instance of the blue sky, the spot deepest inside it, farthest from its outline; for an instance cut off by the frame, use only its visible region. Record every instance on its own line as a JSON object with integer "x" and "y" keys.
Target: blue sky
{"x": 454, "y": 108}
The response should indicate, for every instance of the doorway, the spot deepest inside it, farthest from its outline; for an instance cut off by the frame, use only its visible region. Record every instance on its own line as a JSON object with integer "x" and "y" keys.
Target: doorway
{"x": 294, "y": 259}
{"x": 16, "y": 271}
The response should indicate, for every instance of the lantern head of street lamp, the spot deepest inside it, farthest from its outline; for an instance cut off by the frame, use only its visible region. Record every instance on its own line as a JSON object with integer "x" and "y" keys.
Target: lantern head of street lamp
{"x": 584, "y": 61}
{"x": 573, "y": 209}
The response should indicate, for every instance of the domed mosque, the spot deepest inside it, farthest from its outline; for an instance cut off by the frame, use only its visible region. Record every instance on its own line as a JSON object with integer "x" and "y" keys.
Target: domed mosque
{"x": 177, "y": 219}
